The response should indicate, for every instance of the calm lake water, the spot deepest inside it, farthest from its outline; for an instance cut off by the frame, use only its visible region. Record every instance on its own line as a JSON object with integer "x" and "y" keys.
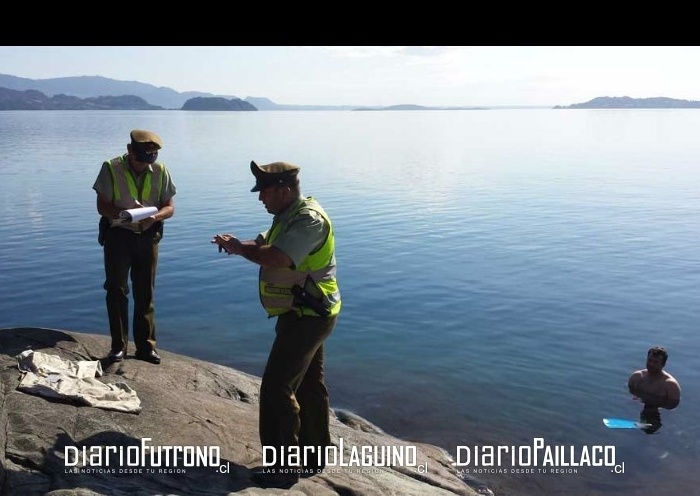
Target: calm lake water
{"x": 502, "y": 271}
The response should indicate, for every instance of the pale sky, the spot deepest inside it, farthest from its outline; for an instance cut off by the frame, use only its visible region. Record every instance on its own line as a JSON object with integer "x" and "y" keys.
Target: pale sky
{"x": 381, "y": 75}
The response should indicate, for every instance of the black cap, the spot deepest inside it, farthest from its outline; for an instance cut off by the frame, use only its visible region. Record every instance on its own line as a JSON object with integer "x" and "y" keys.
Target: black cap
{"x": 276, "y": 173}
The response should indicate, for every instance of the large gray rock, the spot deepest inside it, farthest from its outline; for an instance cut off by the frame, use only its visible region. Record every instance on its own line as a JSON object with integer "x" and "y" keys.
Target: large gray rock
{"x": 185, "y": 402}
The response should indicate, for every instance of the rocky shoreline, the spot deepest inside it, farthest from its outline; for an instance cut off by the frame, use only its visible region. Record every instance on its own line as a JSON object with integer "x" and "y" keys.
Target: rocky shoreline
{"x": 192, "y": 408}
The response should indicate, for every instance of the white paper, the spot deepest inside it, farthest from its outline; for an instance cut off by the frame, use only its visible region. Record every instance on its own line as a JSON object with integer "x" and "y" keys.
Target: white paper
{"x": 137, "y": 214}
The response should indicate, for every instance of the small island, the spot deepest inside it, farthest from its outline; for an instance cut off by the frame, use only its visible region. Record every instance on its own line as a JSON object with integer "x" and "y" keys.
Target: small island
{"x": 625, "y": 102}
{"x": 416, "y": 107}
{"x": 217, "y": 103}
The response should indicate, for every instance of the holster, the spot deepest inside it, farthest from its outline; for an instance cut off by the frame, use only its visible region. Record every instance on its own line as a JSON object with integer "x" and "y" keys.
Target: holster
{"x": 102, "y": 230}
{"x": 303, "y": 297}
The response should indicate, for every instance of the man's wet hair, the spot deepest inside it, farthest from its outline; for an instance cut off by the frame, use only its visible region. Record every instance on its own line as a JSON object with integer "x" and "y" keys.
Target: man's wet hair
{"x": 658, "y": 351}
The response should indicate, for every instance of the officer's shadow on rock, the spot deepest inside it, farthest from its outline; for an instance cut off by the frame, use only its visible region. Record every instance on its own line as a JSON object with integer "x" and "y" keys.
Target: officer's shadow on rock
{"x": 15, "y": 340}
{"x": 121, "y": 468}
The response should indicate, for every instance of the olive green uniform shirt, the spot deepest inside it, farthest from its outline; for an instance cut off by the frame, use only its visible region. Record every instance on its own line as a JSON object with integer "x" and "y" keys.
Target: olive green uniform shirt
{"x": 306, "y": 233}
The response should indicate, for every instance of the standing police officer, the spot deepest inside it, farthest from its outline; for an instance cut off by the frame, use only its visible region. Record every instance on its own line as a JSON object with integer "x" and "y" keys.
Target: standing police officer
{"x": 298, "y": 286}
{"x": 129, "y": 181}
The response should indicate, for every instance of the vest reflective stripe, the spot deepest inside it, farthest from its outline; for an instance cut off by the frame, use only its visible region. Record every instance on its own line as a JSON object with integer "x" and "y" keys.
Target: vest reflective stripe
{"x": 276, "y": 284}
{"x": 290, "y": 277}
{"x": 125, "y": 189}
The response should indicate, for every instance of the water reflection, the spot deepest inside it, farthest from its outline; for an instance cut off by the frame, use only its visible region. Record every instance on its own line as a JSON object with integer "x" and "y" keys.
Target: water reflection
{"x": 651, "y": 416}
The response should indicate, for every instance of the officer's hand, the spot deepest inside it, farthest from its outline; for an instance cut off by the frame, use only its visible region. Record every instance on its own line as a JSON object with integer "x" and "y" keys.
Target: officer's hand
{"x": 227, "y": 242}
{"x": 220, "y": 240}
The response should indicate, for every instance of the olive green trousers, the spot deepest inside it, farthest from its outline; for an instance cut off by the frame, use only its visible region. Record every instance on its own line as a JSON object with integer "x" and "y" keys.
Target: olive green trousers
{"x": 294, "y": 401}
{"x": 127, "y": 253}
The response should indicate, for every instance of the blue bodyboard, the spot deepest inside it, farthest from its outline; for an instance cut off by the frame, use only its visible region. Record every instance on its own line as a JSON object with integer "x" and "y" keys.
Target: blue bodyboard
{"x": 620, "y": 423}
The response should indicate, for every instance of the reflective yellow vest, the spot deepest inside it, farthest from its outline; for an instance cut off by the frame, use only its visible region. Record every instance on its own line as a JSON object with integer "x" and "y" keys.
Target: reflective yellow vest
{"x": 125, "y": 190}
{"x": 317, "y": 270}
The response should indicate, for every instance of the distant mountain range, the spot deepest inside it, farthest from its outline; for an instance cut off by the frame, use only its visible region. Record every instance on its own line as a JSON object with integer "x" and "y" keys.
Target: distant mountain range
{"x": 57, "y": 93}
{"x": 97, "y": 92}
{"x": 159, "y": 96}
{"x": 96, "y": 86}
{"x": 36, "y": 100}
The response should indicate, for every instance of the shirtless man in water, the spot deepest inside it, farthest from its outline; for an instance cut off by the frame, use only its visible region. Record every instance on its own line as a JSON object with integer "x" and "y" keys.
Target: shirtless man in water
{"x": 655, "y": 387}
